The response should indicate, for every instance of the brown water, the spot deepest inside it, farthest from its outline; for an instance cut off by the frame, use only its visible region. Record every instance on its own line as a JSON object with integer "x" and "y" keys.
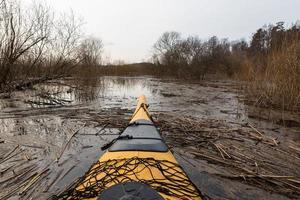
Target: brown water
{"x": 41, "y": 120}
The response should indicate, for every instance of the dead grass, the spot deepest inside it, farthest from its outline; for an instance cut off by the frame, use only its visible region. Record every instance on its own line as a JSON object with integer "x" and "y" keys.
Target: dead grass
{"x": 277, "y": 84}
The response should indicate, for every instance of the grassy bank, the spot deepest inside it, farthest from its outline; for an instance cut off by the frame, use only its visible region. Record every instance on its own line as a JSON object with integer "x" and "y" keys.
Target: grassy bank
{"x": 278, "y": 85}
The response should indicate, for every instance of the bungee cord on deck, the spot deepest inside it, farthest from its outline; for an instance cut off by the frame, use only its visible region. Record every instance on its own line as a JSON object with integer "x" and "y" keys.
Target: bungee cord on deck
{"x": 170, "y": 181}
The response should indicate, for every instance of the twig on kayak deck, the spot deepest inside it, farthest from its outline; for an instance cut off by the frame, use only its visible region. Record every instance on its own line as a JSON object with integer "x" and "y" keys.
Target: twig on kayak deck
{"x": 73, "y": 135}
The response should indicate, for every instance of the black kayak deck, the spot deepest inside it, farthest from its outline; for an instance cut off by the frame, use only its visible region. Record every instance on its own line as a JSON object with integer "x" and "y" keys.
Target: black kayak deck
{"x": 140, "y": 135}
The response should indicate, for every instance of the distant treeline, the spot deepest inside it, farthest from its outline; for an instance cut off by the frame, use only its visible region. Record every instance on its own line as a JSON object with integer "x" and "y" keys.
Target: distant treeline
{"x": 193, "y": 57}
{"x": 269, "y": 63}
{"x": 135, "y": 69}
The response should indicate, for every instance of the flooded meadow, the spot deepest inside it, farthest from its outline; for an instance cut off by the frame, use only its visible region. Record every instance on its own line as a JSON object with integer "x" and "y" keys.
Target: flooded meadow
{"x": 52, "y": 133}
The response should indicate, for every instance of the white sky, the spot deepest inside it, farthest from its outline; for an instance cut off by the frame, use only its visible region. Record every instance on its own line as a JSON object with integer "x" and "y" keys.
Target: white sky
{"x": 129, "y": 28}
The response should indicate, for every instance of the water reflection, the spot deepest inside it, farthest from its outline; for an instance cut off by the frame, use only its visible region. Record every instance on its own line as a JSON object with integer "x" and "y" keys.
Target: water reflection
{"x": 110, "y": 92}
{"x": 214, "y": 100}
{"x": 129, "y": 87}
{"x": 88, "y": 90}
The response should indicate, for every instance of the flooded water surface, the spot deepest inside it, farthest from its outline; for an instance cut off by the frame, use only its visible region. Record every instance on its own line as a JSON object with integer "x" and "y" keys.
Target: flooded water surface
{"x": 37, "y": 128}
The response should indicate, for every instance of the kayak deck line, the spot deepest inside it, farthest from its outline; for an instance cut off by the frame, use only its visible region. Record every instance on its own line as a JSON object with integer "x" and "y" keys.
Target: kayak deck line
{"x": 138, "y": 162}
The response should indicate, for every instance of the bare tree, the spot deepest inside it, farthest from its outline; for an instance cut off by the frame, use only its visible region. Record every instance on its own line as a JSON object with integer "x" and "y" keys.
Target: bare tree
{"x": 166, "y": 46}
{"x": 20, "y": 33}
{"x": 36, "y": 44}
{"x": 64, "y": 43}
{"x": 90, "y": 51}
{"x": 167, "y": 42}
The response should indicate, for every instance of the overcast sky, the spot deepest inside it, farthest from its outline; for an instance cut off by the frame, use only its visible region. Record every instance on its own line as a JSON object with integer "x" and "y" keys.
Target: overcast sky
{"x": 130, "y": 27}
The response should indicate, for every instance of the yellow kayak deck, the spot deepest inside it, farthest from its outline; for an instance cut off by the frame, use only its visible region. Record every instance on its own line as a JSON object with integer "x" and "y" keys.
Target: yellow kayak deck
{"x": 135, "y": 159}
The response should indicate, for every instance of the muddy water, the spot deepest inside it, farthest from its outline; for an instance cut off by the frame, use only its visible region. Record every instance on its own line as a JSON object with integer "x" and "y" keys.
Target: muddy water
{"x": 41, "y": 120}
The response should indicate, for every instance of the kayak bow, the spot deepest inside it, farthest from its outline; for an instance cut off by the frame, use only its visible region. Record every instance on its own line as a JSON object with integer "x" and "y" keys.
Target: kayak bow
{"x": 136, "y": 165}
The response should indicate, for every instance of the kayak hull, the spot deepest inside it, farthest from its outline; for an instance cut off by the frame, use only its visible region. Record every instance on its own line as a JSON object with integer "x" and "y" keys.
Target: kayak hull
{"x": 140, "y": 155}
